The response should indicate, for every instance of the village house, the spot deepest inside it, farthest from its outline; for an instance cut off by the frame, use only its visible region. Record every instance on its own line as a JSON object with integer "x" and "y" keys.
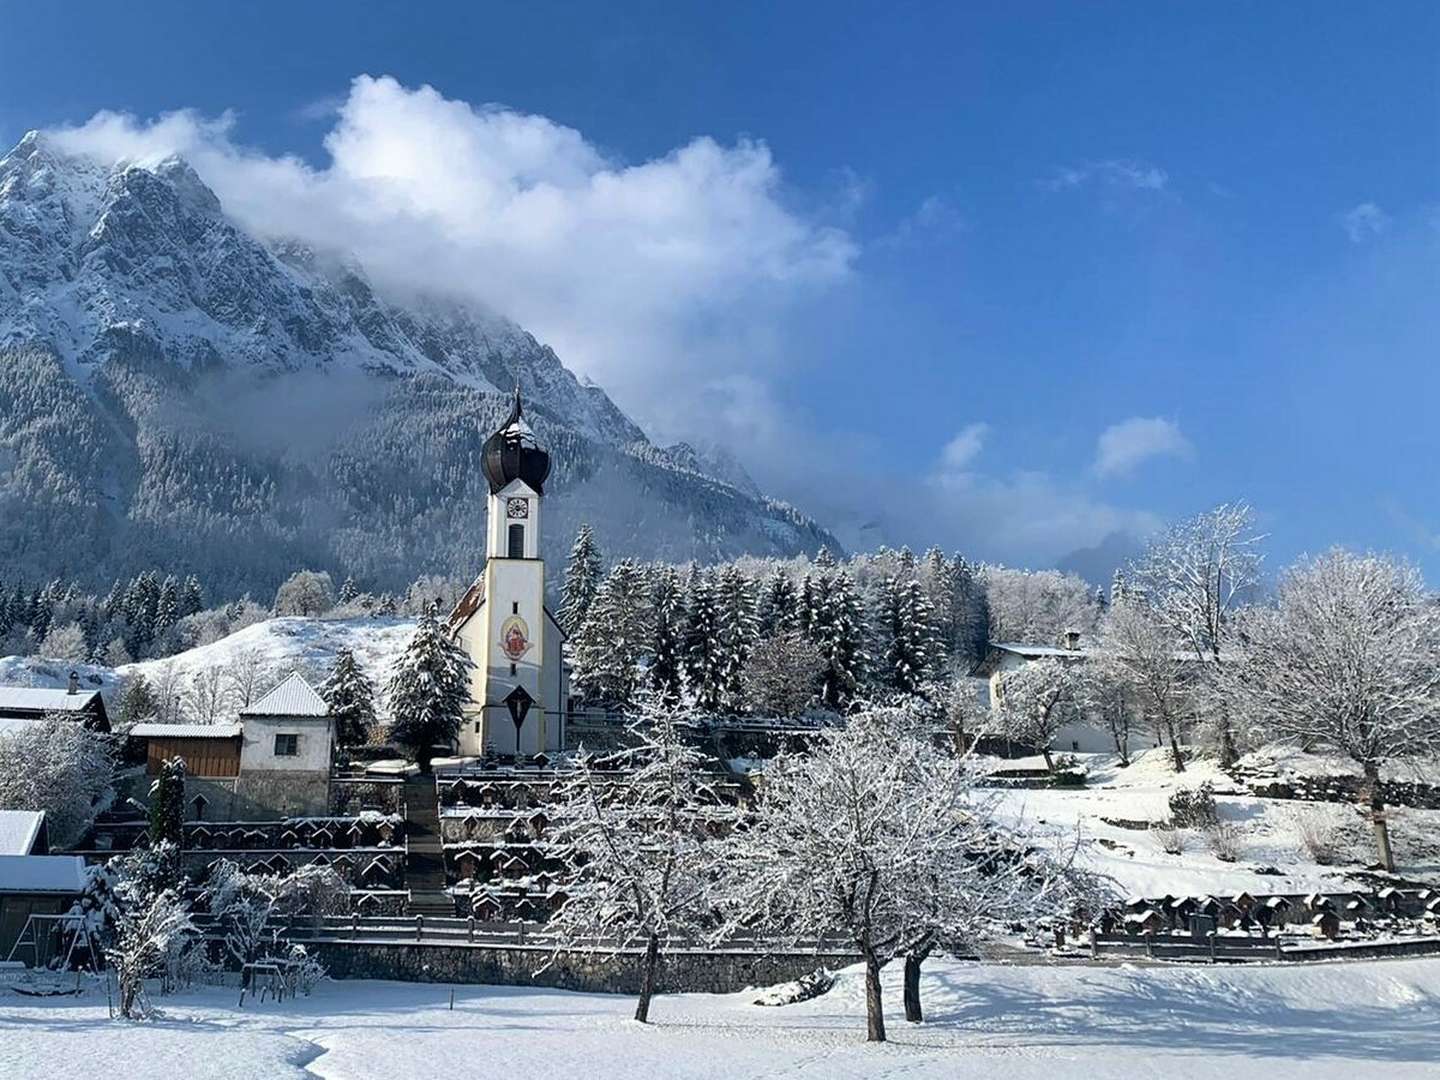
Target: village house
{"x": 24, "y": 705}
{"x": 273, "y": 763}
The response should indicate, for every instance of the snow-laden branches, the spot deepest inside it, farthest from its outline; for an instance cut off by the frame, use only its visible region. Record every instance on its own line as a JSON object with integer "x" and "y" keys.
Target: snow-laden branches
{"x": 876, "y": 835}
{"x": 633, "y": 832}
{"x": 1348, "y": 658}
{"x": 1195, "y": 575}
{"x": 59, "y": 767}
{"x": 1036, "y": 701}
{"x": 1138, "y": 655}
{"x": 1197, "y": 572}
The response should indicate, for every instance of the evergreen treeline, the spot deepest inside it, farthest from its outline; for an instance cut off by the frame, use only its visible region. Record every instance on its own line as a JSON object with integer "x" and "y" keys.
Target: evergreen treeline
{"x": 740, "y": 637}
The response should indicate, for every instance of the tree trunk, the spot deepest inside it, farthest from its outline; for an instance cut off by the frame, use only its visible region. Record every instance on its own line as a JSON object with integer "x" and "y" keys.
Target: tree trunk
{"x": 1049, "y": 761}
{"x": 1376, "y": 798}
{"x": 647, "y": 979}
{"x": 1175, "y": 756}
{"x": 874, "y": 1007}
{"x": 1229, "y": 753}
{"x": 913, "y": 960}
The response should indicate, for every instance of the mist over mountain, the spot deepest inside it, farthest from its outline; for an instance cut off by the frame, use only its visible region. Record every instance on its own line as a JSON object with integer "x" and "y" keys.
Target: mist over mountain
{"x": 177, "y": 391}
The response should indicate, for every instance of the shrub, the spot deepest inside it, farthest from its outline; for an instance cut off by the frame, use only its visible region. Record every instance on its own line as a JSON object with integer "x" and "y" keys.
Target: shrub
{"x": 1317, "y": 836}
{"x": 1223, "y": 839}
{"x": 1172, "y": 840}
{"x": 1194, "y": 808}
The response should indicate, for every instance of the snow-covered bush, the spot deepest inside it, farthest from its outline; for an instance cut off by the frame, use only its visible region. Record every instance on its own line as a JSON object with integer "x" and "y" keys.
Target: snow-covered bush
{"x": 59, "y": 767}
{"x": 247, "y": 904}
{"x": 1317, "y": 836}
{"x": 1194, "y": 808}
{"x": 1223, "y": 840}
{"x": 150, "y": 934}
{"x": 1170, "y": 839}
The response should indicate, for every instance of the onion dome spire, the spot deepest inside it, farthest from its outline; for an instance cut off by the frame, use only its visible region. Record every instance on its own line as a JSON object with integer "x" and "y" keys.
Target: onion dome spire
{"x": 513, "y": 453}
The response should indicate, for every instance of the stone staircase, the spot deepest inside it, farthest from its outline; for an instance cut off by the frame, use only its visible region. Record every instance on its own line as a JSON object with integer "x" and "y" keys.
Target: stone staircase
{"x": 425, "y": 862}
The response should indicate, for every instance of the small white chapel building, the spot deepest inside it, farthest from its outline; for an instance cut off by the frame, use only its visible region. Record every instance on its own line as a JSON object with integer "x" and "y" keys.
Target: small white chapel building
{"x": 520, "y": 688}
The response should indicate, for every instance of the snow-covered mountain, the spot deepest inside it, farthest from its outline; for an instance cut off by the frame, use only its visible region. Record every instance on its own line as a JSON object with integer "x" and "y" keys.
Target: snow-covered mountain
{"x": 176, "y": 390}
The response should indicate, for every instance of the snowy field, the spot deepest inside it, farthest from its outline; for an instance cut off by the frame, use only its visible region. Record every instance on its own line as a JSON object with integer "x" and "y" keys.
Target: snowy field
{"x": 1336, "y": 1022}
{"x": 1271, "y": 857}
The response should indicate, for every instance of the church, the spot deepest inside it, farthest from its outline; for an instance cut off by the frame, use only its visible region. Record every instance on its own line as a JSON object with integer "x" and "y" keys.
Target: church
{"x": 520, "y": 689}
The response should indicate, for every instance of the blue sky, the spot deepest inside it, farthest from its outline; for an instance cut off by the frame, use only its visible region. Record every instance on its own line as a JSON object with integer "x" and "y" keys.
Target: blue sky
{"x": 1210, "y": 230}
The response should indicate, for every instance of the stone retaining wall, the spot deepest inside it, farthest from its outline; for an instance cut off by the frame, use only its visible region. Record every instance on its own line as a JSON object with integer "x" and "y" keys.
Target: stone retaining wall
{"x": 708, "y": 972}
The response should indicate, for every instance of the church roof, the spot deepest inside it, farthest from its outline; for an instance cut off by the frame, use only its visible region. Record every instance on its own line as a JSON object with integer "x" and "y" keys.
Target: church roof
{"x": 293, "y": 697}
{"x": 467, "y": 605}
{"x": 512, "y": 453}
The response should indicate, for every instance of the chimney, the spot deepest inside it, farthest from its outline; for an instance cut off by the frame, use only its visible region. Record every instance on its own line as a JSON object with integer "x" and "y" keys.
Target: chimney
{"x": 74, "y": 687}
{"x": 1072, "y": 640}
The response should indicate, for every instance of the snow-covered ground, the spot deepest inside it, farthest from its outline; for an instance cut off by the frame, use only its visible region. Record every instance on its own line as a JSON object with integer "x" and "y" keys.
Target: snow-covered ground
{"x": 280, "y": 645}
{"x": 1334, "y": 1021}
{"x": 1267, "y": 831}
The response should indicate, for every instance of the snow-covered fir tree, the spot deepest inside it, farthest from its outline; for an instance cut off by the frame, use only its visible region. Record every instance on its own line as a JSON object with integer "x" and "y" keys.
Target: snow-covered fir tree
{"x": 351, "y": 697}
{"x": 667, "y": 637}
{"x": 428, "y": 690}
{"x": 778, "y": 609}
{"x": 835, "y": 622}
{"x": 906, "y": 623}
{"x": 167, "y": 803}
{"x": 735, "y": 608}
{"x": 704, "y": 651}
{"x": 615, "y": 637}
{"x": 582, "y": 581}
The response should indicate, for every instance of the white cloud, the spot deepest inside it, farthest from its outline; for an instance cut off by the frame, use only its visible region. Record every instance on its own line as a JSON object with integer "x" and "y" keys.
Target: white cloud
{"x": 651, "y": 277}
{"x": 935, "y": 220}
{"x": 1364, "y": 222}
{"x": 1124, "y": 446}
{"x": 960, "y": 451}
{"x": 1115, "y": 173}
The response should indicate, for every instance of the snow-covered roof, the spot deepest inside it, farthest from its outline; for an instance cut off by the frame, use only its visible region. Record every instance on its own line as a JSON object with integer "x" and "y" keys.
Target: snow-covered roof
{"x": 43, "y": 699}
{"x": 42, "y": 873}
{"x": 185, "y": 731}
{"x": 1021, "y": 649}
{"x": 293, "y": 697}
{"x": 19, "y": 830}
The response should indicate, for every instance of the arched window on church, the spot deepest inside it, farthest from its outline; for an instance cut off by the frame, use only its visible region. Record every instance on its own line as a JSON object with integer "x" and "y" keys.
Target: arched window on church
{"x": 517, "y": 542}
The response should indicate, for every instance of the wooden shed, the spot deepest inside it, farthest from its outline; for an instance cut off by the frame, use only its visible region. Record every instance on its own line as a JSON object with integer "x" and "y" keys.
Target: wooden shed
{"x": 211, "y": 751}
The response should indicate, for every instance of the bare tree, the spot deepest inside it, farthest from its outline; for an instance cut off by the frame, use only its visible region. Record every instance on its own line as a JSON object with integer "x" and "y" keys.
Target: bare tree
{"x": 58, "y": 767}
{"x": 1036, "y": 606}
{"x": 782, "y": 674}
{"x": 1137, "y": 652}
{"x": 632, "y": 833}
{"x": 207, "y": 699}
{"x": 1349, "y": 658}
{"x": 168, "y": 689}
{"x": 1036, "y": 701}
{"x": 1196, "y": 574}
{"x": 248, "y": 676}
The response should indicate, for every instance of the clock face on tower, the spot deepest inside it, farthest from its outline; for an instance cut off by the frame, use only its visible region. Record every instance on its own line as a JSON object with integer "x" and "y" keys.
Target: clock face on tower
{"x": 517, "y": 508}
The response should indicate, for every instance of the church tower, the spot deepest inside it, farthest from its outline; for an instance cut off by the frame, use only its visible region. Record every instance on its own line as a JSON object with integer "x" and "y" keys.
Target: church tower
{"x": 519, "y": 687}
